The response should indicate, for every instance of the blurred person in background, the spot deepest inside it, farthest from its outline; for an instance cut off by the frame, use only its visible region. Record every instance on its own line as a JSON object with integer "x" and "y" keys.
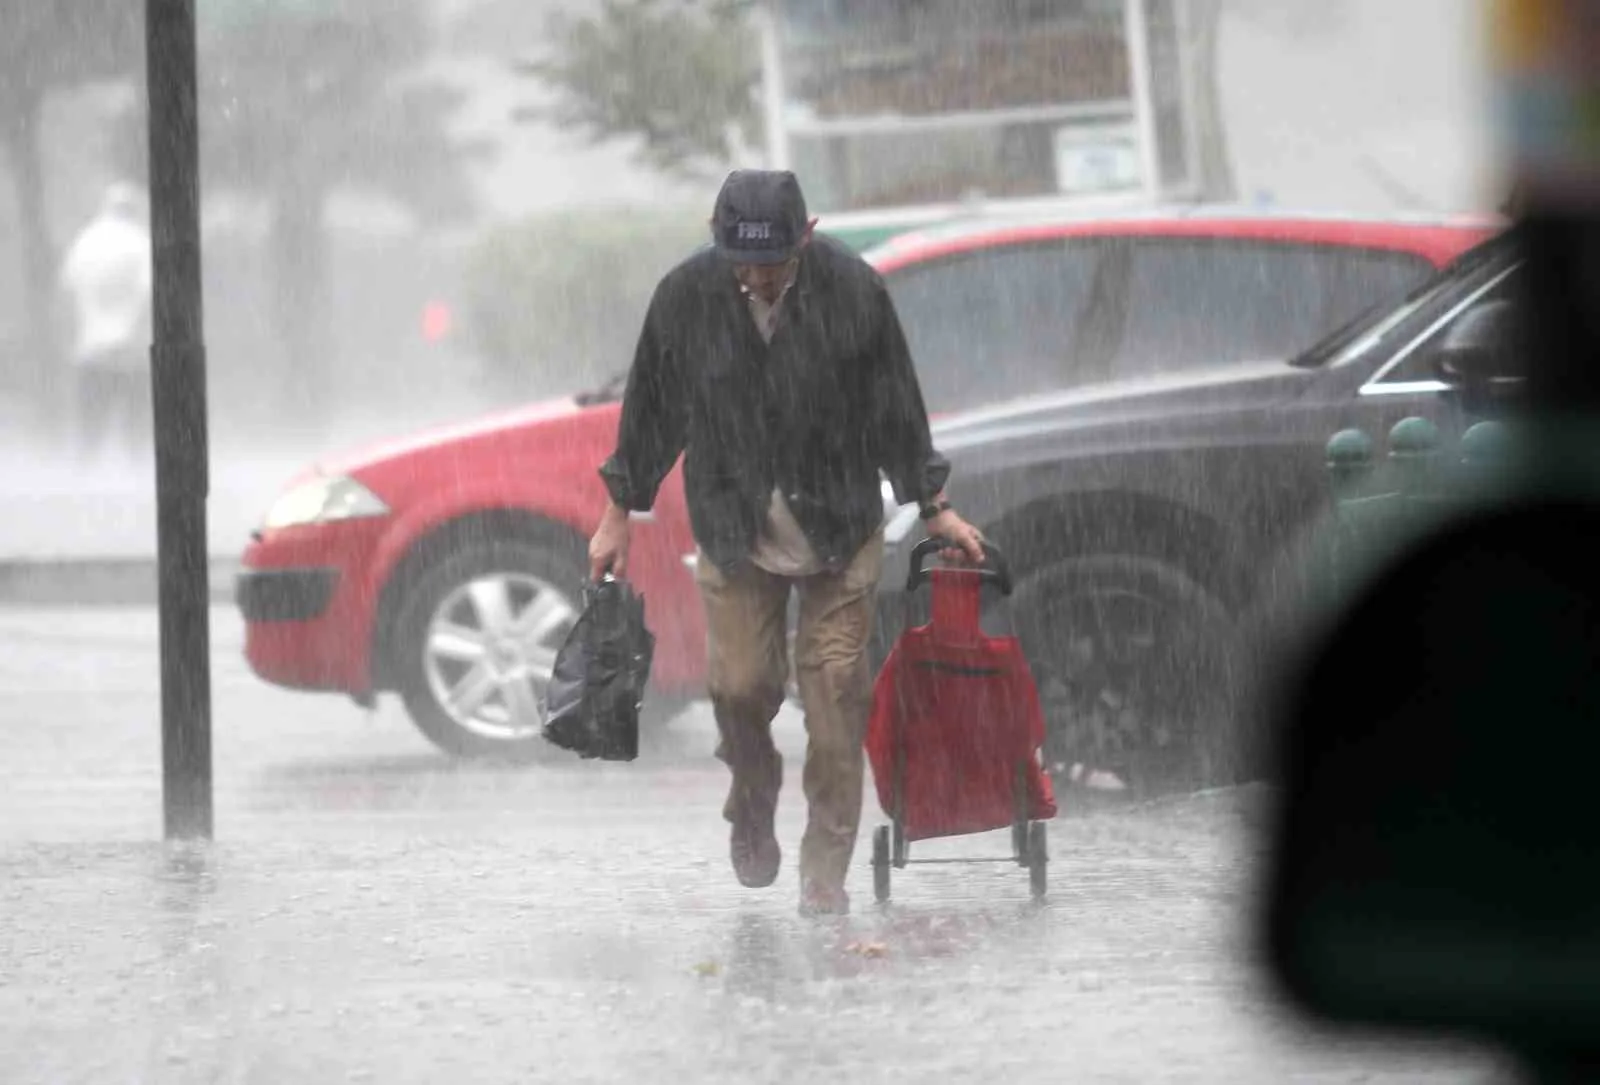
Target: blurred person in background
{"x": 108, "y": 278}
{"x": 776, "y": 361}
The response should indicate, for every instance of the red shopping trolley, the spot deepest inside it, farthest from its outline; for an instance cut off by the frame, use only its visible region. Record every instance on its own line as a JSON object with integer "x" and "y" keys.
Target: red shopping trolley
{"x": 956, "y": 729}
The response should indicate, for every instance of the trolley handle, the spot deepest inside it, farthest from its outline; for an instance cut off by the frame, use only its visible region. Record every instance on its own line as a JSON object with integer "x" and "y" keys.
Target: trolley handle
{"x": 994, "y": 567}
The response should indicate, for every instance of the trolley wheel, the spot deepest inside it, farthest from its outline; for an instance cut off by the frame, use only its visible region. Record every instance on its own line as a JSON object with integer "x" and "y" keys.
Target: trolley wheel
{"x": 902, "y": 847}
{"x": 880, "y": 863}
{"x": 1038, "y": 860}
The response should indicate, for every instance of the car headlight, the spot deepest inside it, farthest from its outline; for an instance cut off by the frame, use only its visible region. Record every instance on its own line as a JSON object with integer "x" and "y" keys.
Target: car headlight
{"x": 323, "y": 500}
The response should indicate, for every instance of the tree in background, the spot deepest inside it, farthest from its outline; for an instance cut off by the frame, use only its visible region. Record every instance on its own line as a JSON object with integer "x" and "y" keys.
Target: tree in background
{"x": 299, "y": 99}
{"x": 681, "y": 76}
{"x": 304, "y": 98}
{"x": 555, "y": 302}
{"x": 49, "y": 46}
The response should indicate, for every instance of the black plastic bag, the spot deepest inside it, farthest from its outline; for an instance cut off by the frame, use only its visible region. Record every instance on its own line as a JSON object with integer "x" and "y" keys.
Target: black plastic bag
{"x": 592, "y": 705}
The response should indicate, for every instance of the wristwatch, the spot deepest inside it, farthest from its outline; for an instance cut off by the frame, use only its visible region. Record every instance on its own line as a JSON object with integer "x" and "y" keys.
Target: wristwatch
{"x": 928, "y": 512}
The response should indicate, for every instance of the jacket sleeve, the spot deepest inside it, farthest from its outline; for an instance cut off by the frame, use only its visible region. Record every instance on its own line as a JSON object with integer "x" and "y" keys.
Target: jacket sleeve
{"x": 654, "y": 424}
{"x": 903, "y": 446}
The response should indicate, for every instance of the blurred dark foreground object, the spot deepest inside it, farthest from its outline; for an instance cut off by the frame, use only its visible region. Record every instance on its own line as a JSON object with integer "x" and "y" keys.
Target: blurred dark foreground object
{"x": 592, "y": 707}
{"x": 1436, "y": 865}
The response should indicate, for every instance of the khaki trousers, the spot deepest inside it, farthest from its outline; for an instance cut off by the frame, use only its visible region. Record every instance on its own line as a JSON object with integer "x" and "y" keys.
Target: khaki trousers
{"x": 746, "y": 617}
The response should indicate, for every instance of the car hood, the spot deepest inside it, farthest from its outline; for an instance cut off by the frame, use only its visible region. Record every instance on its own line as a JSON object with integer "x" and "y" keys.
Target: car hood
{"x": 489, "y": 428}
{"x": 1176, "y": 400}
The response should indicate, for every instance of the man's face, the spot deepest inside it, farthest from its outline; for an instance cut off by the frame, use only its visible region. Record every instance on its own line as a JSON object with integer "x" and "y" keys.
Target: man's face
{"x": 766, "y": 281}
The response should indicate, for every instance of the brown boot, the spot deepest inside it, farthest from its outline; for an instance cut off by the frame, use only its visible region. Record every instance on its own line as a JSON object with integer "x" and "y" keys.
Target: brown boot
{"x": 752, "y": 843}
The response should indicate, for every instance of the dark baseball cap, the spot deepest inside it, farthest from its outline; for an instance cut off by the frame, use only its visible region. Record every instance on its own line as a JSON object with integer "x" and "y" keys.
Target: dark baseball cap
{"x": 760, "y": 217}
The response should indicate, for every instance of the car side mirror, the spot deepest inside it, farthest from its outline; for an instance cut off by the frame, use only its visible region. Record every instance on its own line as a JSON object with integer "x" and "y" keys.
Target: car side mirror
{"x": 1480, "y": 348}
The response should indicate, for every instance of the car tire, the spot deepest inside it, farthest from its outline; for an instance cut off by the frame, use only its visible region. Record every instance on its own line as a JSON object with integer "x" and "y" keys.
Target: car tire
{"x": 445, "y": 600}
{"x": 1135, "y": 663}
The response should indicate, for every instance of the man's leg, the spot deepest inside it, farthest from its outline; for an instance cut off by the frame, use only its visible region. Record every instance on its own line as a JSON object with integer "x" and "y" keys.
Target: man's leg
{"x": 746, "y": 668}
{"x": 836, "y": 615}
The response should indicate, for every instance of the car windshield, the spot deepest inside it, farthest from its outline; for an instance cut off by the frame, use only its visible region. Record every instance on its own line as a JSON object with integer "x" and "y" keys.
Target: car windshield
{"x": 1373, "y": 326}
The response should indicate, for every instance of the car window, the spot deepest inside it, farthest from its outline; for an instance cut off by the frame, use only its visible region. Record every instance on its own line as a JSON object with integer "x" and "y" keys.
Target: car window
{"x": 1418, "y": 364}
{"x": 1201, "y": 303}
{"x": 1357, "y": 281}
{"x": 994, "y": 324}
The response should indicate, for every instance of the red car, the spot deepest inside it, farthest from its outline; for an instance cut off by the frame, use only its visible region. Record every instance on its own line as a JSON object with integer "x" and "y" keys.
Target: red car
{"x": 446, "y": 566}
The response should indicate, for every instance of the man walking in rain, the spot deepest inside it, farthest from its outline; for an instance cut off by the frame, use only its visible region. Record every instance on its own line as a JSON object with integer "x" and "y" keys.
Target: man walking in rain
{"x": 108, "y": 277}
{"x": 775, "y": 362}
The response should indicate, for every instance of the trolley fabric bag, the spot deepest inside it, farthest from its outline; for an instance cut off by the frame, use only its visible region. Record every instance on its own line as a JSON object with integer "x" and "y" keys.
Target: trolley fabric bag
{"x": 956, "y": 723}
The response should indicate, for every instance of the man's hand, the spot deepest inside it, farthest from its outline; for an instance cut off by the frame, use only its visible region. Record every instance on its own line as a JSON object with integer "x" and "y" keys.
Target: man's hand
{"x": 969, "y": 540}
{"x": 609, "y": 547}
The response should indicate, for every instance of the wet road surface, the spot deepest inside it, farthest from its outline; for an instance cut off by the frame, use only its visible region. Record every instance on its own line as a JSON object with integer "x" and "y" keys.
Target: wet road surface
{"x": 371, "y": 912}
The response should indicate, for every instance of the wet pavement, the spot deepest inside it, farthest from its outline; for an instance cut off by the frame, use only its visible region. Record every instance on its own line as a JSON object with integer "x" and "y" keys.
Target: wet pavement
{"x": 371, "y": 912}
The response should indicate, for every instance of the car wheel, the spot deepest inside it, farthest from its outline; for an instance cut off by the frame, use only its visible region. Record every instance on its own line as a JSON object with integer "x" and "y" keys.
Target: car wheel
{"x": 477, "y": 642}
{"x": 1134, "y": 661}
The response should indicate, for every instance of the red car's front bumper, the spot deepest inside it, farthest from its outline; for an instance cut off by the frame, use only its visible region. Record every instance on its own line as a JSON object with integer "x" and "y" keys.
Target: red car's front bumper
{"x": 308, "y": 605}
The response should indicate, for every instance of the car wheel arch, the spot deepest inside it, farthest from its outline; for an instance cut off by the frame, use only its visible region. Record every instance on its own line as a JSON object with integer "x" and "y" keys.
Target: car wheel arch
{"x": 1079, "y": 524}
{"x": 474, "y": 528}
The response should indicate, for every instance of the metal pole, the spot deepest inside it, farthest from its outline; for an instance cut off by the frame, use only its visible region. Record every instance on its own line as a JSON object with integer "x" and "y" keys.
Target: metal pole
{"x": 768, "y": 26}
{"x": 1137, "y": 28}
{"x": 178, "y": 389}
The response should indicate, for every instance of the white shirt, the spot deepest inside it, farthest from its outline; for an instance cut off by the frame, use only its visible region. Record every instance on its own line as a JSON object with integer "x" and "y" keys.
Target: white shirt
{"x": 782, "y": 547}
{"x": 108, "y": 275}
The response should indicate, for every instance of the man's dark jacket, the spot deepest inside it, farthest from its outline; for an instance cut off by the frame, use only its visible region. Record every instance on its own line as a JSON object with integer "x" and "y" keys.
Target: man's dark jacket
{"x": 818, "y": 413}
